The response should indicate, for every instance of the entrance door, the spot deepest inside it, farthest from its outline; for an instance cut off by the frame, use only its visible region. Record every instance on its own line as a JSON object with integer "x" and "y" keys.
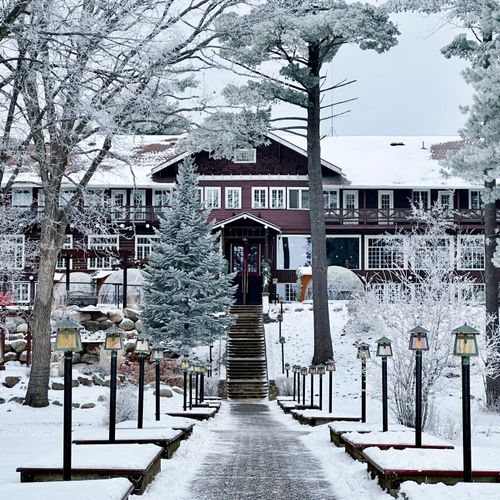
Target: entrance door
{"x": 351, "y": 206}
{"x": 245, "y": 262}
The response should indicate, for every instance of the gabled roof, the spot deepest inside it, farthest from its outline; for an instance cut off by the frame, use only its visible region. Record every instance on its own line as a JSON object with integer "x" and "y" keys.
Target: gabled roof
{"x": 246, "y": 215}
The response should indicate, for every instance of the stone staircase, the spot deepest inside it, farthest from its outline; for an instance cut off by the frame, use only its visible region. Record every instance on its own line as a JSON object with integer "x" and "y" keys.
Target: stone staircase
{"x": 246, "y": 355}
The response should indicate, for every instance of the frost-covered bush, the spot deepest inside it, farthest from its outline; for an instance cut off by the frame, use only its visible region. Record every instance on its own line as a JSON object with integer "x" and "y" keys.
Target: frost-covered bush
{"x": 284, "y": 386}
{"x": 211, "y": 386}
{"x": 126, "y": 403}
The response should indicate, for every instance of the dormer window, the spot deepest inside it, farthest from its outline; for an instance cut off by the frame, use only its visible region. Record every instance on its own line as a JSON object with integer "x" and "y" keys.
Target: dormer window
{"x": 247, "y": 155}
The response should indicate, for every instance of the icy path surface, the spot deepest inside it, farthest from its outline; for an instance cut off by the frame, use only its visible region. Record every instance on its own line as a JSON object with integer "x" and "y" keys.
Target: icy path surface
{"x": 254, "y": 456}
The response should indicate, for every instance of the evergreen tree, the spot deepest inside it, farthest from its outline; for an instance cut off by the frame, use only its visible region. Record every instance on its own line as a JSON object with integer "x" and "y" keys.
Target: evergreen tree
{"x": 187, "y": 288}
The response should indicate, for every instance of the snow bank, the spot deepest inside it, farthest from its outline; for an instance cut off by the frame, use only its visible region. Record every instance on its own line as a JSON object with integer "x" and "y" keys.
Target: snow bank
{"x": 460, "y": 491}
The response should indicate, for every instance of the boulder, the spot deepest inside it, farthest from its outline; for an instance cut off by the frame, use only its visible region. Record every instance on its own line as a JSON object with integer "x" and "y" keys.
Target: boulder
{"x": 178, "y": 390}
{"x": 11, "y": 326}
{"x": 166, "y": 392}
{"x": 77, "y": 357}
{"x": 132, "y": 334}
{"x": 56, "y": 403}
{"x": 131, "y": 314}
{"x": 16, "y": 399}
{"x": 75, "y": 383}
{"x": 115, "y": 316}
{"x": 87, "y": 406}
{"x": 16, "y": 336}
{"x": 90, "y": 359}
{"x": 129, "y": 345}
{"x": 2, "y": 401}
{"x": 23, "y": 356}
{"x": 107, "y": 323}
{"x": 18, "y": 345}
{"x": 102, "y": 398}
{"x": 7, "y": 347}
{"x": 139, "y": 326}
{"x": 91, "y": 326}
{"x": 57, "y": 386}
{"x": 86, "y": 381}
{"x": 56, "y": 370}
{"x": 75, "y": 405}
{"x": 127, "y": 324}
{"x": 85, "y": 317}
{"x": 22, "y": 328}
{"x": 97, "y": 379}
{"x": 10, "y": 356}
{"x": 11, "y": 381}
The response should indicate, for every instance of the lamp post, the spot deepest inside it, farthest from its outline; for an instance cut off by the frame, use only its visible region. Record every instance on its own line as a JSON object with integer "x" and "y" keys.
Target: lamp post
{"x": 113, "y": 343}
{"x": 282, "y": 342}
{"x": 418, "y": 343}
{"x": 142, "y": 350}
{"x": 303, "y": 372}
{"x": 210, "y": 359}
{"x": 330, "y": 368}
{"x": 363, "y": 355}
{"x": 185, "y": 367}
{"x": 466, "y": 346}
{"x": 384, "y": 350}
{"x": 320, "y": 370}
{"x": 67, "y": 340}
{"x": 157, "y": 355}
{"x": 191, "y": 369}
{"x": 280, "y": 318}
{"x": 287, "y": 369}
{"x": 295, "y": 371}
{"x": 312, "y": 371}
{"x": 203, "y": 370}
{"x": 196, "y": 370}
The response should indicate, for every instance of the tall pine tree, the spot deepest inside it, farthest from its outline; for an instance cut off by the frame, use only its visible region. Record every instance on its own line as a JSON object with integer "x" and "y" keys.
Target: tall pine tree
{"x": 187, "y": 287}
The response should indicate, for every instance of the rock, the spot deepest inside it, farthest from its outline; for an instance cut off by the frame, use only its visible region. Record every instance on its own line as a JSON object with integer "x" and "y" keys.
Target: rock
{"x": 56, "y": 403}
{"x": 129, "y": 345}
{"x": 131, "y": 314}
{"x": 77, "y": 357}
{"x": 90, "y": 359}
{"x": 104, "y": 325}
{"x": 86, "y": 381}
{"x": 127, "y": 324}
{"x": 22, "y": 328}
{"x": 10, "y": 356}
{"x": 16, "y": 336}
{"x": 166, "y": 392}
{"x": 57, "y": 386}
{"x": 87, "y": 406}
{"x": 75, "y": 383}
{"x": 18, "y": 345}
{"x": 115, "y": 315}
{"x": 91, "y": 326}
{"x": 101, "y": 318}
{"x": 56, "y": 370}
{"x": 132, "y": 334}
{"x": 11, "y": 381}
{"x": 2, "y": 401}
{"x": 97, "y": 379}
{"x": 23, "y": 356}
{"x": 7, "y": 347}
{"x": 85, "y": 317}
{"x": 102, "y": 398}
{"x": 139, "y": 326}
{"x": 11, "y": 326}
{"x": 178, "y": 390}
{"x": 16, "y": 399}
{"x": 75, "y": 405}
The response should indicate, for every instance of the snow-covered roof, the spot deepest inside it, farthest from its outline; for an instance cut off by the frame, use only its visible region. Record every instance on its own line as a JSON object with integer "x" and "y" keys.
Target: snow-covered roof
{"x": 372, "y": 161}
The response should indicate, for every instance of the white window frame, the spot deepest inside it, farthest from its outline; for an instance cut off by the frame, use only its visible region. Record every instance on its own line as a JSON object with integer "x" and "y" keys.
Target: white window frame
{"x": 384, "y": 237}
{"x": 209, "y": 202}
{"x": 161, "y": 198}
{"x": 138, "y": 210}
{"x": 144, "y": 245}
{"x": 67, "y": 245}
{"x": 360, "y": 249}
{"x": 449, "y": 193}
{"x": 451, "y": 249}
{"x": 118, "y": 212}
{"x": 16, "y": 248}
{"x": 106, "y": 261}
{"x": 417, "y": 205}
{"x": 326, "y": 198}
{"x": 232, "y": 206}
{"x": 354, "y": 218}
{"x": 385, "y": 213}
{"x": 19, "y": 203}
{"x": 479, "y": 193}
{"x": 281, "y": 190}
{"x": 479, "y": 238}
{"x": 263, "y": 189}
{"x": 300, "y": 200}
{"x": 93, "y": 195}
{"x": 21, "y": 292}
{"x": 287, "y": 291}
{"x": 245, "y": 155}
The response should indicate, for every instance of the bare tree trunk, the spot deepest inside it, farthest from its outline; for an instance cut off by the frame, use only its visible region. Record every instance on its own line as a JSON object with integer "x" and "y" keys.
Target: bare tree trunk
{"x": 322, "y": 340}
{"x": 491, "y": 288}
{"x": 50, "y": 242}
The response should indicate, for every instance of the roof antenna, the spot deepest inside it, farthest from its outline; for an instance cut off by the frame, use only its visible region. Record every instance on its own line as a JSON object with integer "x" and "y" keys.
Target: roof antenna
{"x": 423, "y": 145}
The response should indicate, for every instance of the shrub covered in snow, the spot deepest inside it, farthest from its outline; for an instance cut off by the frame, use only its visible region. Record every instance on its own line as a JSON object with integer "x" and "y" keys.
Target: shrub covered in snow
{"x": 126, "y": 403}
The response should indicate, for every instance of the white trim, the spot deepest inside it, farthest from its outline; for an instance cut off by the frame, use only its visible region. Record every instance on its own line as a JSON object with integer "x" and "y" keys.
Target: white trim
{"x": 151, "y": 238}
{"x": 64, "y": 247}
{"x": 385, "y": 213}
{"x": 167, "y": 163}
{"x": 260, "y": 188}
{"x": 288, "y": 235}
{"x": 481, "y": 205}
{"x": 460, "y": 237}
{"x": 118, "y": 212}
{"x": 300, "y": 189}
{"x": 354, "y": 218}
{"x": 226, "y": 192}
{"x": 367, "y": 237}
{"x": 108, "y": 263}
{"x": 330, "y": 189}
{"x": 449, "y": 192}
{"x": 18, "y": 189}
{"x": 249, "y": 177}
{"x": 283, "y": 191}
{"x": 138, "y": 212}
{"x": 360, "y": 249}
{"x": 423, "y": 237}
{"x": 246, "y": 215}
{"x": 214, "y": 189}
{"x": 428, "y": 191}
{"x": 253, "y": 155}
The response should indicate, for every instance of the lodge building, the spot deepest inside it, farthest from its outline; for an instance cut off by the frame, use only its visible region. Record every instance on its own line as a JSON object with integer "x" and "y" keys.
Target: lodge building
{"x": 260, "y": 205}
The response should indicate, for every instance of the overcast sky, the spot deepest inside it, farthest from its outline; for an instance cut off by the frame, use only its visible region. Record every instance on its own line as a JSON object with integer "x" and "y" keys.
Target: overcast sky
{"x": 410, "y": 90}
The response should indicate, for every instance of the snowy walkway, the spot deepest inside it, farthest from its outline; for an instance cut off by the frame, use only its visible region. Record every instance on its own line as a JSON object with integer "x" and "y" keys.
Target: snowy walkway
{"x": 257, "y": 457}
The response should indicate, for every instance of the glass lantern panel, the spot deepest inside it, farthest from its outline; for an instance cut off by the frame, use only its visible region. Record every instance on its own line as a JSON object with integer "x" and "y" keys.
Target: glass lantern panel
{"x": 384, "y": 350}
{"x": 113, "y": 343}
{"x": 466, "y": 346}
{"x": 68, "y": 340}
{"x": 419, "y": 343}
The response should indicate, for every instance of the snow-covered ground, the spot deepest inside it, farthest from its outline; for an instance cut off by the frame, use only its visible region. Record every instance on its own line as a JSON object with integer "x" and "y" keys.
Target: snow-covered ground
{"x": 26, "y": 432}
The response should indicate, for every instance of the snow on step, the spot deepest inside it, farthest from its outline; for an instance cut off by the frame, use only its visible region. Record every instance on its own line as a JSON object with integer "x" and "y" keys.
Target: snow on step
{"x": 363, "y": 427}
{"x": 165, "y": 422}
{"x": 94, "y": 457}
{"x": 406, "y": 437}
{"x": 459, "y": 491}
{"x": 147, "y": 434}
{"x": 102, "y": 489}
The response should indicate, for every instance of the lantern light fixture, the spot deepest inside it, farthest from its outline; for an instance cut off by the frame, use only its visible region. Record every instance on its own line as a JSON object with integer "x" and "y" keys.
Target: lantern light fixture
{"x": 185, "y": 364}
{"x": 465, "y": 341}
{"x": 320, "y": 369}
{"x": 142, "y": 345}
{"x": 157, "y": 354}
{"x": 312, "y": 369}
{"x": 287, "y": 366}
{"x": 304, "y": 370}
{"x": 363, "y": 350}
{"x": 330, "y": 365}
{"x": 384, "y": 347}
{"x": 68, "y": 336}
{"x": 418, "y": 339}
{"x": 114, "y": 339}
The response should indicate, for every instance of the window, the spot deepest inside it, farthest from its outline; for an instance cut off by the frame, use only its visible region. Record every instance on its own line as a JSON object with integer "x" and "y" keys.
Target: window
{"x": 259, "y": 197}
{"x": 331, "y": 199}
{"x": 22, "y": 197}
{"x": 351, "y": 206}
{"x": 343, "y": 251}
{"x": 161, "y": 199}
{"x": 212, "y": 197}
{"x": 387, "y": 292}
{"x": 93, "y": 197}
{"x": 248, "y": 155}
{"x": 278, "y": 198}
{"x": 475, "y": 200}
{"x": 199, "y": 194}
{"x": 21, "y": 292}
{"x": 65, "y": 196}
{"x": 138, "y": 202}
{"x": 11, "y": 251}
{"x": 143, "y": 245}
{"x": 471, "y": 252}
{"x": 433, "y": 252}
{"x": 298, "y": 198}
{"x": 107, "y": 244}
{"x": 68, "y": 244}
{"x": 384, "y": 252}
{"x": 420, "y": 199}
{"x": 233, "y": 197}
{"x": 293, "y": 252}
{"x": 287, "y": 291}
{"x": 118, "y": 202}
{"x": 445, "y": 199}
